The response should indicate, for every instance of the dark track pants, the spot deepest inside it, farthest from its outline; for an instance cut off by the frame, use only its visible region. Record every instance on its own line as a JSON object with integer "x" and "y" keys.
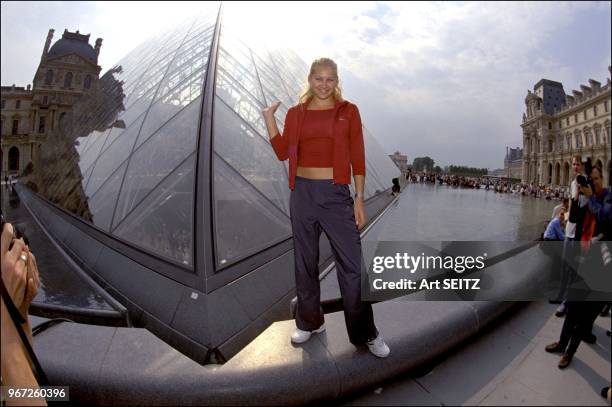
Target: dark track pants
{"x": 578, "y": 323}
{"x": 321, "y": 205}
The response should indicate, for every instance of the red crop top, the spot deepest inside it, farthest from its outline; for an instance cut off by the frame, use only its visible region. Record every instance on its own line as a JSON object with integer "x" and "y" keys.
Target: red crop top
{"x": 348, "y": 148}
{"x": 316, "y": 142}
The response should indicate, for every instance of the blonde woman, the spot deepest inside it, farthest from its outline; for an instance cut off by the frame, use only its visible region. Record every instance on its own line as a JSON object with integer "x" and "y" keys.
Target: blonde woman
{"x": 323, "y": 140}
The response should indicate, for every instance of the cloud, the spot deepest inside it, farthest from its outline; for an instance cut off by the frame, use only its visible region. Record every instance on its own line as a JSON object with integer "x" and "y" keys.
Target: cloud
{"x": 443, "y": 79}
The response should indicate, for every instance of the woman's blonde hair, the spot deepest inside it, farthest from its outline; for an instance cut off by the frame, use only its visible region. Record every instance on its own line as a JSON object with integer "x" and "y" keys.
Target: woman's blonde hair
{"x": 326, "y": 62}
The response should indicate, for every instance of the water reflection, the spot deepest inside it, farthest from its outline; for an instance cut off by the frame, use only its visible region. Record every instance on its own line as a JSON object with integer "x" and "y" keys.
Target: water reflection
{"x": 55, "y": 173}
{"x": 442, "y": 213}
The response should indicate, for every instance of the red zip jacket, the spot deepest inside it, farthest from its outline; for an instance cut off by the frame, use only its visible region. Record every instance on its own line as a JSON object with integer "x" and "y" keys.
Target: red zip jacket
{"x": 348, "y": 141}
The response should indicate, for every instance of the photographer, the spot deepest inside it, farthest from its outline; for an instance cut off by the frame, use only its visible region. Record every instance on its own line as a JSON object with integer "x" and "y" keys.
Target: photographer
{"x": 600, "y": 207}
{"x": 20, "y": 280}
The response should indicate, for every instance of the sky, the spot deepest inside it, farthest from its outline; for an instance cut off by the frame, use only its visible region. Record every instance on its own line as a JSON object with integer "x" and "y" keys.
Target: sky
{"x": 443, "y": 79}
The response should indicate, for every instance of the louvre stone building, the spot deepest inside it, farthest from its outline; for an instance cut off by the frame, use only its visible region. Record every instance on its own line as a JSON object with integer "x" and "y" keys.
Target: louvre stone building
{"x": 513, "y": 163}
{"x": 68, "y": 70}
{"x": 557, "y": 126}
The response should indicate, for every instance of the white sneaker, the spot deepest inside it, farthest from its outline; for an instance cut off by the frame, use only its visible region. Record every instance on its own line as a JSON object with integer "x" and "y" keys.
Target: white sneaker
{"x": 300, "y": 336}
{"x": 378, "y": 347}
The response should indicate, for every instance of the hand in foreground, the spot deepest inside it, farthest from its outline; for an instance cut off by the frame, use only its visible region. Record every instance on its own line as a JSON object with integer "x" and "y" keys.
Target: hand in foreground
{"x": 32, "y": 285}
{"x": 14, "y": 265}
{"x": 586, "y": 191}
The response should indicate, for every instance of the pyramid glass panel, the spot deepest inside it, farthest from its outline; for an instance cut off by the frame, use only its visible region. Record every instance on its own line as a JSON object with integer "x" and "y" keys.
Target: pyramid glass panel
{"x": 171, "y": 104}
{"x": 189, "y": 62}
{"x": 250, "y": 155}
{"x": 386, "y": 170}
{"x": 157, "y": 157}
{"x": 102, "y": 204}
{"x": 236, "y": 61}
{"x": 94, "y": 146}
{"x": 82, "y": 143}
{"x": 163, "y": 222}
{"x": 112, "y": 158}
{"x": 372, "y": 177}
{"x": 245, "y": 220}
{"x": 271, "y": 83}
{"x": 139, "y": 107}
{"x": 242, "y": 102}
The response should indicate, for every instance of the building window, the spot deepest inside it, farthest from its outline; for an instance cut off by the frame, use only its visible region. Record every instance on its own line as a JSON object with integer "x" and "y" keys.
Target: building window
{"x": 549, "y": 125}
{"x": 87, "y": 83}
{"x": 568, "y": 139}
{"x": 550, "y": 146}
{"x": 606, "y": 106}
{"x": 45, "y": 100}
{"x": 41, "y": 124}
{"x": 68, "y": 80}
{"x": 578, "y": 140}
{"x": 597, "y": 135}
{"x": 15, "y": 128}
{"x": 594, "y": 110}
{"x": 567, "y": 121}
{"x": 49, "y": 77}
{"x": 584, "y": 115}
{"x": 13, "y": 159}
{"x": 576, "y": 118}
{"x": 18, "y": 104}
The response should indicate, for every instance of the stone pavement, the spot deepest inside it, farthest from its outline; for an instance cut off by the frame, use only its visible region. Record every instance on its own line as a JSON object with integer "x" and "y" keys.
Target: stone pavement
{"x": 506, "y": 365}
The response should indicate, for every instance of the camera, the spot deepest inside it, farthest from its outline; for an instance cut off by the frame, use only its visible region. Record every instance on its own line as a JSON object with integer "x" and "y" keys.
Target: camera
{"x": 582, "y": 180}
{"x": 17, "y": 231}
{"x": 585, "y": 180}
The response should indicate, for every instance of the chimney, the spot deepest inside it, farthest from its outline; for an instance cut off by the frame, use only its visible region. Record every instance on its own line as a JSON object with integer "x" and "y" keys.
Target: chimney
{"x": 28, "y": 87}
{"x": 586, "y": 90}
{"x": 97, "y": 47}
{"x": 594, "y": 84}
{"x": 47, "y": 43}
{"x": 577, "y": 94}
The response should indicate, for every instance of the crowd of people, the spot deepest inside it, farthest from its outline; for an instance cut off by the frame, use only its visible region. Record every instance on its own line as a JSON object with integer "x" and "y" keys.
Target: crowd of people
{"x": 583, "y": 216}
{"x": 497, "y": 185}
{"x": 580, "y": 220}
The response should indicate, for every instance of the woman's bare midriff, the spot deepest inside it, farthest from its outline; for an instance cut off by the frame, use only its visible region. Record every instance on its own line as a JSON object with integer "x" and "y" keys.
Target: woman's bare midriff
{"x": 315, "y": 173}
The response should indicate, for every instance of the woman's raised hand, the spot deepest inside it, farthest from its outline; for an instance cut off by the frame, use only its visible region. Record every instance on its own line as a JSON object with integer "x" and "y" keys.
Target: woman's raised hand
{"x": 269, "y": 111}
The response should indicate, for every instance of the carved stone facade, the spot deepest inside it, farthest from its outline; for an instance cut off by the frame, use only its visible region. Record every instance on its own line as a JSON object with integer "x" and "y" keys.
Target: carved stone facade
{"x": 556, "y": 127}
{"x": 67, "y": 70}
